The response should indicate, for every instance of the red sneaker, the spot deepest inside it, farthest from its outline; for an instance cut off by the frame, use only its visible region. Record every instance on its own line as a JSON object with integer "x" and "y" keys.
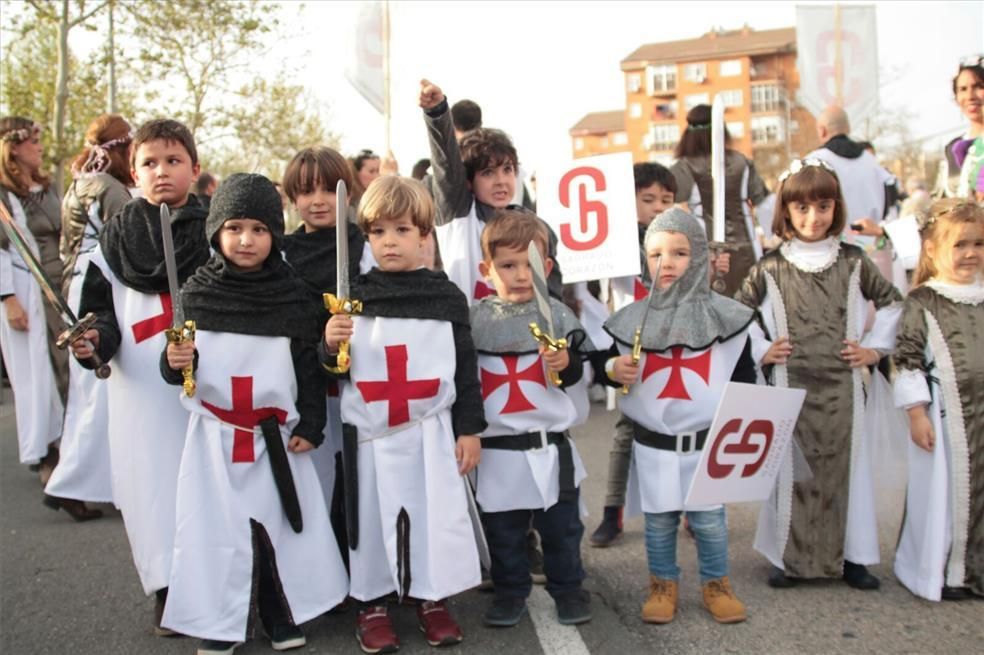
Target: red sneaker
{"x": 374, "y": 630}
{"x": 437, "y": 624}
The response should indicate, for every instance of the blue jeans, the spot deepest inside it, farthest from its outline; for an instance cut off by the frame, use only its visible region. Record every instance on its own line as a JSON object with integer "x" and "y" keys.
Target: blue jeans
{"x": 711, "y": 532}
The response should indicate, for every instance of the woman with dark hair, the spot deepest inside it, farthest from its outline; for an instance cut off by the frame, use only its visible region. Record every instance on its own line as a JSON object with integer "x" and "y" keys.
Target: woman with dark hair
{"x": 743, "y": 186}
{"x": 365, "y": 169}
{"x": 38, "y": 369}
{"x": 961, "y": 171}
{"x": 98, "y": 192}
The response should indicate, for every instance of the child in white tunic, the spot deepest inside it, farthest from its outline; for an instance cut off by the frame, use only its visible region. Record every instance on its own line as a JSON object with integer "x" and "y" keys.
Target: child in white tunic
{"x": 253, "y": 531}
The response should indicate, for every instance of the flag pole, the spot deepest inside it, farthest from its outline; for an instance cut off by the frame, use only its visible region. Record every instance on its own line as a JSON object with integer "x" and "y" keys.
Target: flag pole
{"x": 386, "y": 75}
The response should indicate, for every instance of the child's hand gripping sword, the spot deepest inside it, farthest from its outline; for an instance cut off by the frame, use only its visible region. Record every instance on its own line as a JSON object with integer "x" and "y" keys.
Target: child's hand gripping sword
{"x": 74, "y": 327}
{"x": 181, "y": 331}
{"x": 637, "y": 339}
{"x": 339, "y": 302}
{"x": 540, "y": 290}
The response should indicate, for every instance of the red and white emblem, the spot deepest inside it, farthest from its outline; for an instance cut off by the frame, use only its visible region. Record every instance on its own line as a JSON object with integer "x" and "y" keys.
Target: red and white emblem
{"x": 397, "y": 391}
{"x": 244, "y": 417}
{"x": 515, "y": 401}
{"x": 676, "y": 362}
{"x": 148, "y": 327}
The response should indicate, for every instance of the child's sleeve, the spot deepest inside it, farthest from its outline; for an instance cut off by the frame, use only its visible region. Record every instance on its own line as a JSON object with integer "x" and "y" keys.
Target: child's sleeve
{"x": 452, "y": 198}
{"x": 97, "y": 297}
{"x": 753, "y": 293}
{"x": 888, "y": 308}
{"x": 311, "y": 389}
{"x": 599, "y": 361}
{"x": 745, "y": 370}
{"x": 468, "y": 410}
{"x": 910, "y": 387}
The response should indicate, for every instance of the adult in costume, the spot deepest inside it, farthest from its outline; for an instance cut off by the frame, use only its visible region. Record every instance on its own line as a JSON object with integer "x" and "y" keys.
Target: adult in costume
{"x": 961, "y": 171}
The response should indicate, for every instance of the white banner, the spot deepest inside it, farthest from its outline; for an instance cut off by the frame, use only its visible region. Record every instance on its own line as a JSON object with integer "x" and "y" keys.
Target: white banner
{"x": 745, "y": 445}
{"x": 590, "y": 204}
{"x": 817, "y": 44}
{"x": 365, "y": 68}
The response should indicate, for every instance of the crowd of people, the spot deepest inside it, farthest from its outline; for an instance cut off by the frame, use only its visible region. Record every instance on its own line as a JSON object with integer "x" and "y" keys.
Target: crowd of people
{"x": 278, "y": 440}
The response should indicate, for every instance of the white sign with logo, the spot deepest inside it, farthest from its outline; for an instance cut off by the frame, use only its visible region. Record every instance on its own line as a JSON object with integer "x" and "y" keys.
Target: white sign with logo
{"x": 746, "y": 444}
{"x": 590, "y": 205}
{"x": 365, "y": 68}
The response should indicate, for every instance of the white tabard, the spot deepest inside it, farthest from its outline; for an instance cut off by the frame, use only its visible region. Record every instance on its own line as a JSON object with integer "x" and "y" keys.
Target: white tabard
{"x": 226, "y": 480}
{"x": 399, "y": 397}
{"x": 678, "y": 391}
{"x": 147, "y": 426}
{"x": 520, "y": 399}
{"x": 460, "y": 242}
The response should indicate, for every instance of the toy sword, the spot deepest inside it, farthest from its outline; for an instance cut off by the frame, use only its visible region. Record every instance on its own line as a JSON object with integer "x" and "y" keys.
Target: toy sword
{"x": 718, "y": 167}
{"x": 339, "y": 302}
{"x": 74, "y": 328}
{"x": 545, "y": 334}
{"x": 181, "y": 331}
{"x": 637, "y": 339}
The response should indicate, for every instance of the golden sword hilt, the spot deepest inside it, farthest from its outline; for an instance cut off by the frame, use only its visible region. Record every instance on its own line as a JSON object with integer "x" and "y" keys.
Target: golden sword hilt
{"x": 636, "y": 353}
{"x": 549, "y": 343}
{"x": 346, "y": 306}
{"x": 184, "y": 334}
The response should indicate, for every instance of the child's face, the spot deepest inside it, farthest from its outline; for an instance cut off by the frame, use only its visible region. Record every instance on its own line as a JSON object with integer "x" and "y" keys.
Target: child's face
{"x": 317, "y": 208}
{"x": 510, "y": 272}
{"x": 245, "y": 243}
{"x": 811, "y": 220}
{"x": 368, "y": 172}
{"x": 673, "y": 248}
{"x": 396, "y": 244}
{"x": 495, "y": 185}
{"x": 652, "y": 200}
{"x": 164, "y": 172}
{"x": 961, "y": 260}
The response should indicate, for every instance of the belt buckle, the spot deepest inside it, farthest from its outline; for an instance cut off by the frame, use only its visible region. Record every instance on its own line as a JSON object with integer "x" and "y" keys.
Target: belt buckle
{"x": 543, "y": 440}
{"x": 691, "y": 440}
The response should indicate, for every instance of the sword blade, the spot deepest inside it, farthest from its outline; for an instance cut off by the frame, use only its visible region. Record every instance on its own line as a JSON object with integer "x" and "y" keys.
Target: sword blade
{"x": 540, "y": 290}
{"x": 341, "y": 242}
{"x": 170, "y": 262}
{"x": 718, "y": 167}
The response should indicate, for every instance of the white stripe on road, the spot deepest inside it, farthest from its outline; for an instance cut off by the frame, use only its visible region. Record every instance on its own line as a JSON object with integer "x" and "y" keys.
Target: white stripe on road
{"x": 555, "y": 639}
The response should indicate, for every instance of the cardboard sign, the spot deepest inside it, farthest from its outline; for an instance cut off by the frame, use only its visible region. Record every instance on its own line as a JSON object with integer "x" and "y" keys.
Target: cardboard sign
{"x": 746, "y": 443}
{"x": 590, "y": 205}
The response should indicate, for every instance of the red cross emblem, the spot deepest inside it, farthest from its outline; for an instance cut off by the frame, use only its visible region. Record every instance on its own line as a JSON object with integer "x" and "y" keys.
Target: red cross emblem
{"x": 516, "y": 401}
{"x": 482, "y": 290}
{"x": 639, "y": 290}
{"x": 398, "y": 391}
{"x": 675, "y": 388}
{"x": 245, "y": 417}
{"x": 145, "y": 329}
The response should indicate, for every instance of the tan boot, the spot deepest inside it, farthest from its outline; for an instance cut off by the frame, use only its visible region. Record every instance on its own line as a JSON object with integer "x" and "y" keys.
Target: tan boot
{"x": 721, "y": 601}
{"x": 661, "y": 604}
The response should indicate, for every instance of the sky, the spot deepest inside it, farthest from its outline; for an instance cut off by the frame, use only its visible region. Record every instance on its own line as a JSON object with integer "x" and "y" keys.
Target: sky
{"x": 537, "y": 67}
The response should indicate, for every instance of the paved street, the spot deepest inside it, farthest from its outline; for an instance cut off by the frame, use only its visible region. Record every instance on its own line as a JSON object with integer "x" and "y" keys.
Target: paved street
{"x": 71, "y": 588}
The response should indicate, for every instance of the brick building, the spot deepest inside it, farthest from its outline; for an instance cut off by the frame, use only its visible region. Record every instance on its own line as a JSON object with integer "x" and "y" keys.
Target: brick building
{"x": 754, "y": 71}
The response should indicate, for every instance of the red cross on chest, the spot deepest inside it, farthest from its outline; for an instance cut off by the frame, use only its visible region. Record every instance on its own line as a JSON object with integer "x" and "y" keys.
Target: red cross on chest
{"x": 244, "y": 417}
{"x": 516, "y": 401}
{"x": 147, "y": 328}
{"x": 676, "y": 362}
{"x": 397, "y": 390}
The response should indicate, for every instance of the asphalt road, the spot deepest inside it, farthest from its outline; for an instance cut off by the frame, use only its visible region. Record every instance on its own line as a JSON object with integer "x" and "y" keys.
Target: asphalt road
{"x": 72, "y": 588}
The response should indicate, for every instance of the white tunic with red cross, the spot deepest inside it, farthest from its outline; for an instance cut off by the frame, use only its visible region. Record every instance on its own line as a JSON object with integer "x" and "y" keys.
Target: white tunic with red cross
{"x": 678, "y": 391}
{"x": 147, "y": 427}
{"x": 460, "y": 243}
{"x": 226, "y": 481}
{"x": 519, "y": 398}
{"x": 399, "y": 398}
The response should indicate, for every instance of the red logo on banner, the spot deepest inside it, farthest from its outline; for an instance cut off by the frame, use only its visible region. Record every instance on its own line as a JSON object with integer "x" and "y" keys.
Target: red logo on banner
{"x": 587, "y": 238}
{"x": 744, "y": 446}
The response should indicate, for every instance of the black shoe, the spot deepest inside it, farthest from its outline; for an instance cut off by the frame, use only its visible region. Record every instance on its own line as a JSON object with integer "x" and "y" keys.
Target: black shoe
{"x": 535, "y": 554}
{"x": 857, "y": 576}
{"x": 504, "y": 612}
{"x": 956, "y": 593}
{"x": 286, "y": 637}
{"x": 214, "y": 647}
{"x": 574, "y": 608}
{"x": 74, "y": 508}
{"x": 160, "y": 599}
{"x": 779, "y": 580}
{"x": 610, "y": 529}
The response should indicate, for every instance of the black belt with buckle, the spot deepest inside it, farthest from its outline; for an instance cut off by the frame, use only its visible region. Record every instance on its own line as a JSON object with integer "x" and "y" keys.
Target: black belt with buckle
{"x": 683, "y": 443}
{"x": 535, "y": 441}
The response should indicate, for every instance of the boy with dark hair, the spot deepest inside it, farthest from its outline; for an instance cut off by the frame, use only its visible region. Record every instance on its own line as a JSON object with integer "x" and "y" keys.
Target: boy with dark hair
{"x": 126, "y": 287}
{"x": 466, "y": 116}
{"x": 252, "y": 530}
{"x": 530, "y": 469}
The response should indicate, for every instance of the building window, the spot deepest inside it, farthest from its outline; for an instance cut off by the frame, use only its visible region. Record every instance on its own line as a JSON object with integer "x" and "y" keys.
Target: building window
{"x": 732, "y": 97}
{"x": 730, "y": 68}
{"x": 694, "y": 99}
{"x": 767, "y": 97}
{"x": 620, "y": 139}
{"x": 767, "y": 129}
{"x": 603, "y": 142}
{"x": 665, "y": 111}
{"x": 635, "y": 110}
{"x": 579, "y": 143}
{"x": 663, "y": 137}
{"x": 695, "y": 72}
{"x": 661, "y": 79}
{"x": 633, "y": 82}
{"x": 736, "y": 129}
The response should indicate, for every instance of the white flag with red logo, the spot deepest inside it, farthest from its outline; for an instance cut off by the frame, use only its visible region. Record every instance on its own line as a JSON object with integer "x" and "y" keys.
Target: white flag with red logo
{"x": 365, "y": 69}
{"x": 746, "y": 444}
{"x": 590, "y": 205}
